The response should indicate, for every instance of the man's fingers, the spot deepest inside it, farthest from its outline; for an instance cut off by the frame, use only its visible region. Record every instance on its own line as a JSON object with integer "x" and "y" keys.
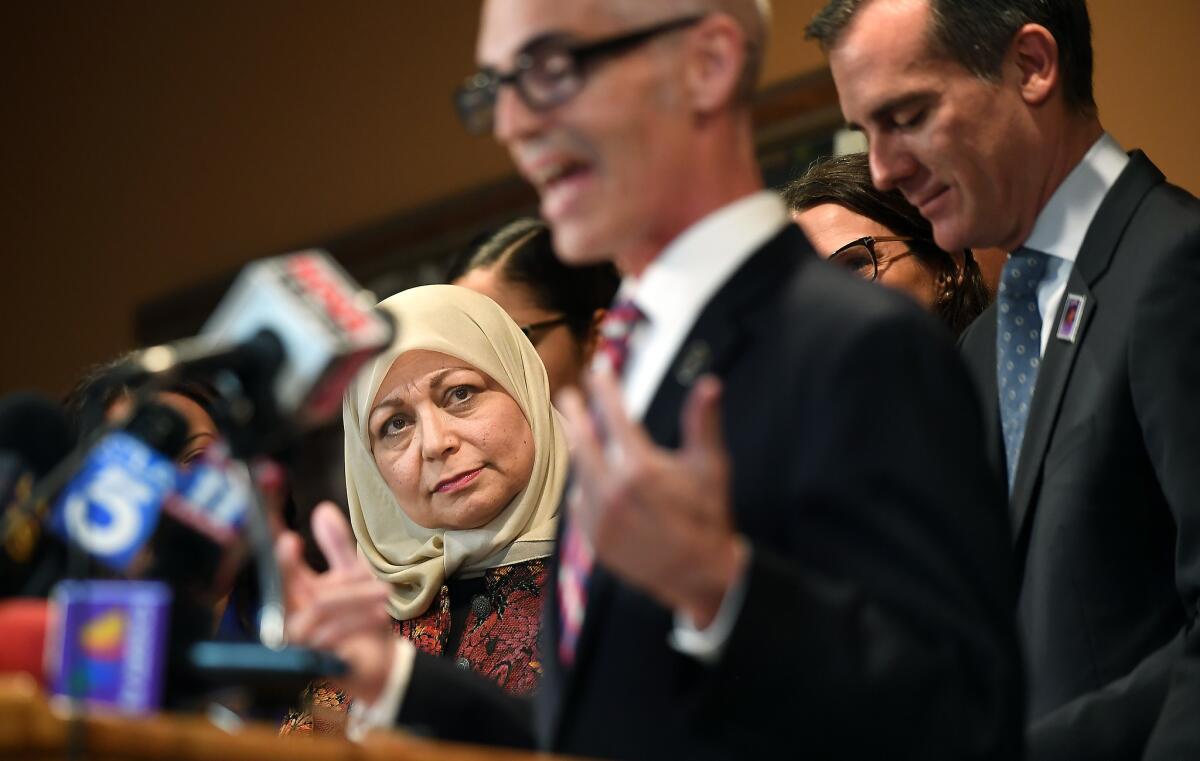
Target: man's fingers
{"x": 587, "y": 458}
{"x": 581, "y": 428}
{"x": 289, "y": 551}
{"x": 297, "y": 576}
{"x": 703, "y": 437}
{"x": 343, "y": 609}
{"x": 334, "y": 537}
{"x": 620, "y": 436}
{"x": 332, "y": 632}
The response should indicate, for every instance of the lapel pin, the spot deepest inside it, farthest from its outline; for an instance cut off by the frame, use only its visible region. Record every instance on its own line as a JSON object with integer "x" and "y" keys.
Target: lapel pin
{"x": 694, "y": 361}
{"x": 1072, "y": 316}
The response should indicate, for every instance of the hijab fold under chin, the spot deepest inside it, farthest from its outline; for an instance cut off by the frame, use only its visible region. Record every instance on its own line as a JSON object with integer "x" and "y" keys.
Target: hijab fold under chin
{"x": 416, "y": 561}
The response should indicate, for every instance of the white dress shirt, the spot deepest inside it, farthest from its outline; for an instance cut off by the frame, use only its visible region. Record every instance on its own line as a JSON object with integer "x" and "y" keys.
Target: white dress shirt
{"x": 671, "y": 293}
{"x": 673, "y": 289}
{"x": 1063, "y": 222}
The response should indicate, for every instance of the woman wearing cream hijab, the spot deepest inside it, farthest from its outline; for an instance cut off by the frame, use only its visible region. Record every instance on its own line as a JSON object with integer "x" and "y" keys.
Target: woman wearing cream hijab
{"x": 455, "y": 465}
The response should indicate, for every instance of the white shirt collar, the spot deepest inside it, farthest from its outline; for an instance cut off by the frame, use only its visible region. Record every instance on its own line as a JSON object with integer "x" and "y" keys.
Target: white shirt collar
{"x": 1063, "y": 222}
{"x": 676, "y": 286}
{"x": 680, "y": 281}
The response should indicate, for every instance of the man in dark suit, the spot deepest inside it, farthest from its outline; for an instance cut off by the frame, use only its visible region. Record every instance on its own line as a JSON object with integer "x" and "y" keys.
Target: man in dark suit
{"x": 1177, "y": 733}
{"x": 982, "y": 114}
{"x": 783, "y": 534}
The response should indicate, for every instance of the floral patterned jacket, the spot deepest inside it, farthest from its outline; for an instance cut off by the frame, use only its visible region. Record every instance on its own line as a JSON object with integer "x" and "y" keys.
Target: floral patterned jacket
{"x": 499, "y": 640}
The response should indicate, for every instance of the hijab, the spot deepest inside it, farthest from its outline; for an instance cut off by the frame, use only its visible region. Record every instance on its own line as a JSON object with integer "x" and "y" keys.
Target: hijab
{"x": 415, "y": 560}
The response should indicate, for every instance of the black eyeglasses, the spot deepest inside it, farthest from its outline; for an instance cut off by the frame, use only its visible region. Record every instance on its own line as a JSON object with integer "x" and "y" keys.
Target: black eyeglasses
{"x": 553, "y": 322}
{"x": 548, "y": 72}
{"x": 859, "y": 255}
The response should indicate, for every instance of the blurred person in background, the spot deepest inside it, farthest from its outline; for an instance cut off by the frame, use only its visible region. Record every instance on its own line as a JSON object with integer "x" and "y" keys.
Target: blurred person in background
{"x": 99, "y": 398}
{"x": 557, "y": 307}
{"x": 883, "y": 237}
{"x": 103, "y": 397}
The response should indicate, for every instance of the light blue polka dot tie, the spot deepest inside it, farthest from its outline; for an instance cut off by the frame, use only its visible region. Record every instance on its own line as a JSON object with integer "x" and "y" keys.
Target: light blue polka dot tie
{"x": 1018, "y": 346}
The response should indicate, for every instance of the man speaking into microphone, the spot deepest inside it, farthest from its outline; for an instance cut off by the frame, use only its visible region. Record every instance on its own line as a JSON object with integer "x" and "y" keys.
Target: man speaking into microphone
{"x": 761, "y": 555}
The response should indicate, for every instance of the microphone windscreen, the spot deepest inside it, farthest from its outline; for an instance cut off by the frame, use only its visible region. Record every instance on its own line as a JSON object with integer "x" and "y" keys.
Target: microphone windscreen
{"x": 34, "y": 438}
{"x": 35, "y": 429}
{"x": 160, "y": 428}
{"x": 23, "y": 622}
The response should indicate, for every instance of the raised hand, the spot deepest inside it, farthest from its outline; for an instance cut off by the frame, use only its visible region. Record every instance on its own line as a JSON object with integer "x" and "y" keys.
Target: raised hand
{"x": 342, "y": 610}
{"x": 659, "y": 519}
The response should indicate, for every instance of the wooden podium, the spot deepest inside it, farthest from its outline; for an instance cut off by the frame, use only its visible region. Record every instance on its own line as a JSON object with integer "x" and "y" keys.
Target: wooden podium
{"x": 31, "y": 730}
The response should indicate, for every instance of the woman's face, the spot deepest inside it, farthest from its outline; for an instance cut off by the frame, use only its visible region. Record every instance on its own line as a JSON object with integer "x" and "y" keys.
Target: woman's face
{"x": 450, "y": 442}
{"x": 563, "y": 356}
{"x": 829, "y": 227}
{"x": 202, "y": 431}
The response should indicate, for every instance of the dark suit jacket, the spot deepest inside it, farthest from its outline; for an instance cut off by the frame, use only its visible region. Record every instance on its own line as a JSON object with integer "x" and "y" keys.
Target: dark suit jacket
{"x": 1177, "y": 733}
{"x": 877, "y": 621}
{"x": 1106, "y": 498}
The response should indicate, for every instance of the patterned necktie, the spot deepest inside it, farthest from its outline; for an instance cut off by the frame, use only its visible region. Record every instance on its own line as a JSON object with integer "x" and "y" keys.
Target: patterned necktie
{"x": 1018, "y": 346}
{"x": 575, "y": 558}
{"x": 612, "y": 347}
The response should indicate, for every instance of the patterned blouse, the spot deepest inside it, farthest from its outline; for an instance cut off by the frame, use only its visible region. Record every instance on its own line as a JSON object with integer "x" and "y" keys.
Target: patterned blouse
{"x": 489, "y": 625}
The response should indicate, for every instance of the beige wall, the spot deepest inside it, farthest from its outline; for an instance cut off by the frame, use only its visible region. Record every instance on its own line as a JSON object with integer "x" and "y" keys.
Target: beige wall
{"x": 1147, "y": 80}
{"x": 149, "y": 145}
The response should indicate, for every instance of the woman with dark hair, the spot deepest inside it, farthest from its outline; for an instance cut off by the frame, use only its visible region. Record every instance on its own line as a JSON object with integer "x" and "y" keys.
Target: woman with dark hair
{"x": 102, "y": 396}
{"x": 557, "y": 307}
{"x": 883, "y": 237}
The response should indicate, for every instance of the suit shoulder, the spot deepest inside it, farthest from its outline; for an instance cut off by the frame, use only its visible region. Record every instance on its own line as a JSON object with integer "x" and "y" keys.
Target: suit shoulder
{"x": 830, "y": 301}
{"x": 1163, "y": 234}
{"x": 806, "y": 307}
{"x": 980, "y": 335}
{"x": 1173, "y": 204}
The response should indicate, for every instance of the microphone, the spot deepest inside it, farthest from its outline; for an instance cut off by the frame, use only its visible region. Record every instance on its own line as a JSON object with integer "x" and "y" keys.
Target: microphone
{"x": 24, "y": 623}
{"x": 110, "y": 655}
{"x": 198, "y": 544}
{"x": 291, "y": 333}
{"x": 281, "y": 348}
{"x": 129, "y": 507}
{"x": 108, "y": 643}
{"x": 98, "y": 641}
{"x": 34, "y": 437}
{"x": 111, "y": 506}
{"x": 34, "y": 428}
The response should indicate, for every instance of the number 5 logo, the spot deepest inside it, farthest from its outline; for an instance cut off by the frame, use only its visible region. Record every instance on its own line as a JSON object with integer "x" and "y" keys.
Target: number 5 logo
{"x": 118, "y": 500}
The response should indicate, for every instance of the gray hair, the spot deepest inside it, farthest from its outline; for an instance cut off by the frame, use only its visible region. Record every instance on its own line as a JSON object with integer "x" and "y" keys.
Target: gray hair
{"x": 753, "y": 16}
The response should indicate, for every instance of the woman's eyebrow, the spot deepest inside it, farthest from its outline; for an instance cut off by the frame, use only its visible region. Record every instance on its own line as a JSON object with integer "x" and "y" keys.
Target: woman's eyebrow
{"x": 388, "y": 402}
{"x": 436, "y": 380}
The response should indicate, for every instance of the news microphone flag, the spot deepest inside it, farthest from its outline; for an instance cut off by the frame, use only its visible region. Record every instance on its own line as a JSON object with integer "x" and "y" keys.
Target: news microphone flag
{"x": 328, "y": 327}
{"x": 212, "y": 496}
{"x": 111, "y": 506}
{"x": 108, "y": 643}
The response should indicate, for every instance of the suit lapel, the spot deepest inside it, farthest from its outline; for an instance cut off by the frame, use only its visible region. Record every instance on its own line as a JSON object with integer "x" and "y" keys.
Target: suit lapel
{"x": 722, "y": 330}
{"x": 1099, "y": 244}
{"x": 1047, "y": 398}
{"x": 978, "y": 346}
{"x": 710, "y": 347}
